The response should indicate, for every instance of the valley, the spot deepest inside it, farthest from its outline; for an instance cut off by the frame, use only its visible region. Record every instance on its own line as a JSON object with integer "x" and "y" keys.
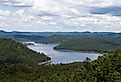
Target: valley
{"x": 87, "y": 57}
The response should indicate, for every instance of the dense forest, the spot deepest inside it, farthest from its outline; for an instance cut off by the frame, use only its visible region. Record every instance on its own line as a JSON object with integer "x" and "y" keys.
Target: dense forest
{"x": 12, "y": 52}
{"x": 106, "y": 68}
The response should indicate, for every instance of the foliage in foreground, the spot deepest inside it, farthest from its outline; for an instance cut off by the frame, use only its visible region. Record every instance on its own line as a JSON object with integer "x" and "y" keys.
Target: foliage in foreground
{"x": 106, "y": 68}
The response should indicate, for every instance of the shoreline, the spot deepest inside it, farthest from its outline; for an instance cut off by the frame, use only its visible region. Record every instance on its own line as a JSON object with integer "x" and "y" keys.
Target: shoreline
{"x": 66, "y": 50}
{"x": 82, "y": 51}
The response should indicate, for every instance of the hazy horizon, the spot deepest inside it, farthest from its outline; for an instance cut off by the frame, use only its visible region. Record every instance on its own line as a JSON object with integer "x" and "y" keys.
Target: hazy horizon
{"x": 54, "y": 31}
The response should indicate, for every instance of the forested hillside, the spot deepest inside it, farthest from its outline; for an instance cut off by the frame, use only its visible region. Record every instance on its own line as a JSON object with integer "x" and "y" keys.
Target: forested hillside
{"x": 106, "y": 68}
{"x": 12, "y": 52}
{"x": 86, "y": 42}
{"x": 57, "y": 39}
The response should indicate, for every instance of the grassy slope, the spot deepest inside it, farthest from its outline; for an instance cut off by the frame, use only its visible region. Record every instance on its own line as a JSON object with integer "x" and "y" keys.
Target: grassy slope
{"x": 14, "y": 52}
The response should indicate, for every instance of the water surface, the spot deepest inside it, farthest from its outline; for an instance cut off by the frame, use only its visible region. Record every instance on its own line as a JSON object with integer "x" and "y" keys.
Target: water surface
{"x": 61, "y": 56}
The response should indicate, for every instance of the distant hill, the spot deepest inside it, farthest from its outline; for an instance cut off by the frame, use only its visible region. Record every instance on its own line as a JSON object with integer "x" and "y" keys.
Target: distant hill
{"x": 46, "y": 34}
{"x": 81, "y": 41}
{"x": 94, "y": 43}
{"x": 57, "y": 39}
{"x": 22, "y": 36}
{"x": 98, "y": 42}
{"x": 2, "y": 31}
{"x": 27, "y": 37}
{"x": 12, "y": 52}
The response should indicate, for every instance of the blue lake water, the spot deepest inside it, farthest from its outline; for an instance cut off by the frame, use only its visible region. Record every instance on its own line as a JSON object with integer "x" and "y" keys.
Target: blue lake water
{"x": 61, "y": 56}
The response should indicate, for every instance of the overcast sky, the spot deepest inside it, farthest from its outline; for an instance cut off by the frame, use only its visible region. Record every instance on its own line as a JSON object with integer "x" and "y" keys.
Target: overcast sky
{"x": 60, "y": 15}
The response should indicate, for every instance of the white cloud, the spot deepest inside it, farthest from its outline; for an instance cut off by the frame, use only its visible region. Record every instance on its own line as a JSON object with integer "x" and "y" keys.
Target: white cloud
{"x": 4, "y": 13}
{"x": 20, "y": 13}
{"x": 57, "y": 15}
{"x": 46, "y": 18}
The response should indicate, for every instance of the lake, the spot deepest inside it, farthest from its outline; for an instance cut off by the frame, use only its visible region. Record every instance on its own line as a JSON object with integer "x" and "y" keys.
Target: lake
{"x": 61, "y": 56}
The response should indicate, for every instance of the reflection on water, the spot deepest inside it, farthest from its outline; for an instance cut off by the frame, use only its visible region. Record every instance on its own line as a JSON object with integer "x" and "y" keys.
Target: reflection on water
{"x": 61, "y": 56}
